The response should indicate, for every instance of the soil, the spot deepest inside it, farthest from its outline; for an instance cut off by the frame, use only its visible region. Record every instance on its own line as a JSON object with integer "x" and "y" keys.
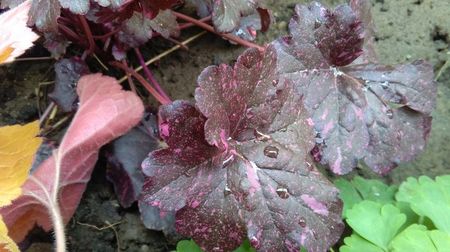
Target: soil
{"x": 406, "y": 30}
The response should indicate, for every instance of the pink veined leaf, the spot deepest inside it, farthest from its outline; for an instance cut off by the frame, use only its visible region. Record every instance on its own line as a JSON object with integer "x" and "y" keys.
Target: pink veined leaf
{"x": 15, "y": 36}
{"x": 106, "y": 112}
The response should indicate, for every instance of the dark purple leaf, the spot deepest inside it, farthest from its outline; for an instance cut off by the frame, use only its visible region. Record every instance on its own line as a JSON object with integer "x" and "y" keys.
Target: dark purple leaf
{"x": 250, "y": 24}
{"x": 44, "y": 13}
{"x": 139, "y": 28}
{"x": 80, "y": 7}
{"x": 125, "y": 157}
{"x": 362, "y": 9}
{"x": 155, "y": 219}
{"x": 56, "y": 44}
{"x": 253, "y": 175}
{"x": 68, "y": 72}
{"x": 379, "y": 114}
{"x": 226, "y": 14}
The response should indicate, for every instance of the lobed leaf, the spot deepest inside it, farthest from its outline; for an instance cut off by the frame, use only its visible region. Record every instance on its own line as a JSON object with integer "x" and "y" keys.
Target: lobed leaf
{"x": 388, "y": 219}
{"x": 15, "y": 36}
{"x": 227, "y": 14}
{"x": 428, "y": 198}
{"x": 371, "y": 112}
{"x": 105, "y": 112}
{"x": 418, "y": 238}
{"x": 139, "y": 28}
{"x": 356, "y": 243}
{"x": 252, "y": 173}
{"x": 359, "y": 189}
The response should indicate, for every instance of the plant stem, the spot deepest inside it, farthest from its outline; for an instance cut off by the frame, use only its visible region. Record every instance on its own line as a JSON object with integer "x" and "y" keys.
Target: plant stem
{"x": 165, "y": 53}
{"x": 58, "y": 227}
{"x": 149, "y": 74}
{"x": 209, "y": 28}
{"x": 187, "y": 25}
{"x": 88, "y": 33}
{"x": 55, "y": 211}
{"x": 141, "y": 79}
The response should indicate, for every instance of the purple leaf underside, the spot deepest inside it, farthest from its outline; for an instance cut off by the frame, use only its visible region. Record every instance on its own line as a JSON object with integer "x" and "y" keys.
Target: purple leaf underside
{"x": 375, "y": 113}
{"x": 68, "y": 72}
{"x": 125, "y": 156}
{"x": 253, "y": 173}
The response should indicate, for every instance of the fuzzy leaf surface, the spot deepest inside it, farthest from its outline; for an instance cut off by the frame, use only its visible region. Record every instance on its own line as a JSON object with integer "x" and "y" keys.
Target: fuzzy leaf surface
{"x": 106, "y": 112}
{"x": 375, "y": 113}
{"x": 252, "y": 173}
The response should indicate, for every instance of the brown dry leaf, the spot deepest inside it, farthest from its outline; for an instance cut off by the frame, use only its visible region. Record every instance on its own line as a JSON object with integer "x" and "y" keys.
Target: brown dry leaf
{"x": 18, "y": 144}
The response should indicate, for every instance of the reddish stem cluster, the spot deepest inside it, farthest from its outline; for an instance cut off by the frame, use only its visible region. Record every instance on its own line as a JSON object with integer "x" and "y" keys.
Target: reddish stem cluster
{"x": 87, "y": 40}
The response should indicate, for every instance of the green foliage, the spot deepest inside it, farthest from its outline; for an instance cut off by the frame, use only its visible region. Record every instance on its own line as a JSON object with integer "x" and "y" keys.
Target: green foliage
{"x": 413, "y": 217}
{"x": 191, "y": 246}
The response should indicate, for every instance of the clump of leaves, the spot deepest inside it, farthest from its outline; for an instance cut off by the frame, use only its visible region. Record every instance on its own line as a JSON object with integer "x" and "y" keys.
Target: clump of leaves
{"x": 413, "y": 217}
{"x": 128, "y": 24}
{"x": 237, "y": 163}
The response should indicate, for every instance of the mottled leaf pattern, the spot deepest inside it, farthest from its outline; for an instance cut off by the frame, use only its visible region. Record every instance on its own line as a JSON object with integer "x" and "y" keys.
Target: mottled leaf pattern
{"x": 375, "y": 113}
{"x": 253, "y": 174}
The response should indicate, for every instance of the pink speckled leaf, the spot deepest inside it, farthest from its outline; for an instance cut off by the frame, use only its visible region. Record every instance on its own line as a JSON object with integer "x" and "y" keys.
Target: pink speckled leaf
{"x": 253, "y": 174}
{"x": 371, "y": 112}
{"x": 106, "y": 112}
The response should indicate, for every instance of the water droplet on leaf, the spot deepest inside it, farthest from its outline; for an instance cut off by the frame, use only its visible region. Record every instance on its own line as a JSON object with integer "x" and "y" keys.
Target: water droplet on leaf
{"x": 302, "y": 222}
{"x": 282, "y": 192}
{"x": 226, "y": 190}
{"x": 271, "y": 151}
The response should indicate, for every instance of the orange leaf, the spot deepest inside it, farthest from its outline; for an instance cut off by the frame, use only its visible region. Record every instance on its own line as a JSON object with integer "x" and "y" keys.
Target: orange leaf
{"x": 18, "y": 144}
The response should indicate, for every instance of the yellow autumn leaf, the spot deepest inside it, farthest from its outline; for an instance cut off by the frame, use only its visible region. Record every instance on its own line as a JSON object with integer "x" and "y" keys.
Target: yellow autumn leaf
{"x": 6, "y": 243}
{"x": 18, "y": 144}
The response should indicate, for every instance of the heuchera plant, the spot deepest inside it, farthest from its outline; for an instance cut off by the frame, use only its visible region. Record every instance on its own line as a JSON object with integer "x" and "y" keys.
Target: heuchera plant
{"x": 240, "y": 161}
{"x": 237, "y": 163}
